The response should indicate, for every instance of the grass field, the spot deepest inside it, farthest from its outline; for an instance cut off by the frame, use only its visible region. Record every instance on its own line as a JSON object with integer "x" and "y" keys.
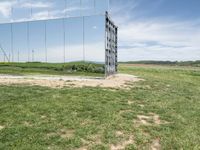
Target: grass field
{"x": 73, "y": 68}
{"x": 161, "y": 112}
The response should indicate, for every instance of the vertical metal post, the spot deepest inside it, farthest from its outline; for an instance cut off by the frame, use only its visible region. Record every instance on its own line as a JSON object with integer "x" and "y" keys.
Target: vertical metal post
{"x": 65, "y": 8}
{"x": 11, "y": 30}
{"x": 64, "y": 38}
{"x": 45, "y": 39}
{"x": 31, "y": 12}
{"x": 81, "y": 8}
{"x": 12, "y": 51}
{"x": 105, "y": 42}
{"x": 18, "y": 56}
{"x": 94, "y": 6}
{"x": 28, "y": 41}
{"x": 9, "y": 57}
{"x": 83, "y": 38}
{"x": 33, "y": 55}
{"x": 108, "y": 5}
{"x": 28, "y": 32}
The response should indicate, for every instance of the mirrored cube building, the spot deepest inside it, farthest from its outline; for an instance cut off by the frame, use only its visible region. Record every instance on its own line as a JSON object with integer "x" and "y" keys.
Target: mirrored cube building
{"x": 58, "y": 31}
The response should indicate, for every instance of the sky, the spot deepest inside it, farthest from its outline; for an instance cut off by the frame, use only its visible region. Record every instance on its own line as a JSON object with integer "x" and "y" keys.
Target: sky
{"x": 157, "y": 29}
{"x": 148, "y": 29}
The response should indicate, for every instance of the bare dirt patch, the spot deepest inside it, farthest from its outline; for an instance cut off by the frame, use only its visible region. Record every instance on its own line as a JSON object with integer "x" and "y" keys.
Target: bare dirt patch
{"x": 141, "y": 105}
{"x": 130, "y": 102}
{"x": 91, "y": 140}
{"x": 156, "y": 145}
{"x": 28, "y": 124}
{"x": 123, "y": 145}
{"x": 1, "y": 127}
{"x": 150, "y": 119}
{"x": 115, "y": 81}
{"x": 119, "y": 133}
{"x": 82, "y": 148}
{"x": 43, "y": 117}
{"x": 64, "y": 133}
{"x": 144, "y": 120}
{"x": 121, "y": 112}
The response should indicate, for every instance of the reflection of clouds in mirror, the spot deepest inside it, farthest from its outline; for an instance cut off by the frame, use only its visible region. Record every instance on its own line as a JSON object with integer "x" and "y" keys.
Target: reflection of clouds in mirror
{"x": 26, "y": 10}
{"x": 5, "y": 8}
{"x": 94, "y": 27}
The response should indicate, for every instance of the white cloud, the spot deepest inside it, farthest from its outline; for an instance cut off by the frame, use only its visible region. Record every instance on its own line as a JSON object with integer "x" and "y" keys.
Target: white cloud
{"x": 143, "y": 36}
{"x": 159, "y": 40}
{"x": 5, "y": 8}
{"x": 40, "y": 15}
{"x": 35, "y": 5}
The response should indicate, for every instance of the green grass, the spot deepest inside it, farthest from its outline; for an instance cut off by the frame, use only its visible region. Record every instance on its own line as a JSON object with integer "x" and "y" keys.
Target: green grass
{"x": 74, "y": 68}
{"x": 171, "y": 63}
{"x": 69, "y": 118}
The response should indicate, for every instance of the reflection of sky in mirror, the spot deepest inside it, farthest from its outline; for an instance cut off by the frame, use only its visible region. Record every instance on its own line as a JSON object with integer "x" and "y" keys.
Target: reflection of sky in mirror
{"x": 65, "y": 39}
{"x": 56, "y": 40}
{"x": 21, "y": 10}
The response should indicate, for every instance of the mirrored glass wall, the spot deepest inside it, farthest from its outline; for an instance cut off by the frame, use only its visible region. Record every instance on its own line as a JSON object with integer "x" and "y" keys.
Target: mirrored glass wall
{"x": 58, "y": 31}
{"x": 54, "y": 40}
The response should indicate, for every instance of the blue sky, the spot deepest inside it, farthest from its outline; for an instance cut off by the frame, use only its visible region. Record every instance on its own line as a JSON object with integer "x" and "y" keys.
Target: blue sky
{"x": 148, "y": 29}
{"x": 158, "y": 29}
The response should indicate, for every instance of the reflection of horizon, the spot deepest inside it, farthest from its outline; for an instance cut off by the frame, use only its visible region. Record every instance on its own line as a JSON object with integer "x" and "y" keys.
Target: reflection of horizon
{"x": 93, "y": 54}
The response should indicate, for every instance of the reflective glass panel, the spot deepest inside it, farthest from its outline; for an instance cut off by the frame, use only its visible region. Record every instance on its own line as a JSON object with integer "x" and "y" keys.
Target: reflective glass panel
{"x": 6, "y": 42}
{"x": 95, "y": 38}
{"x": 42, "y": 9}
{"x": 74, "y": 39}
{"x": 88, "y": 7}
{"x": 20, "y": 40}
{"x": 101, "y": 6}
{"x": 55, "y": 40}
{"x": 73, "y": 8}
{"x": 37, "y": 41}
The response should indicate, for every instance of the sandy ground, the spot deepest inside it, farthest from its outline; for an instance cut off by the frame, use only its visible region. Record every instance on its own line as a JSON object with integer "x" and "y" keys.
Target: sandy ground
{"x": 115, "y": 81}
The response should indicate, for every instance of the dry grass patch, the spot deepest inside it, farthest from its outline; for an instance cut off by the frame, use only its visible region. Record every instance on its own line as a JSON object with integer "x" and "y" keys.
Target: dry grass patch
{"x": 119, "y": 133}
{"x": 63, "y": 133}
{"x": 1, "y": 127}
{"x": 150, "y": 119}
{"x": 92, "y": 140}
{"x": 124, "y": 111}
{"x": 122, "y": 145}
{"x": 86, "y": 122}
{"x": 66, "y": 134}
{"x": 43, "y": 117}
{"x": 82, "y": 148}
{"x": 156, "y": 145}
{"x": 27, "y": 124}
{"x": 130, "y": 102}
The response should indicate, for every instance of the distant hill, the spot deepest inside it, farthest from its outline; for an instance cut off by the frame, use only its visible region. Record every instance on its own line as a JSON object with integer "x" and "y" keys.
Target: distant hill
{"x": 172, "y": 63}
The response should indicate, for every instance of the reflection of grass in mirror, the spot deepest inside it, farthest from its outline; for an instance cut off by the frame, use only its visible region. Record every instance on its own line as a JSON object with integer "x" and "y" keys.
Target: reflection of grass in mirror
{"x": 73, "y": 68}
